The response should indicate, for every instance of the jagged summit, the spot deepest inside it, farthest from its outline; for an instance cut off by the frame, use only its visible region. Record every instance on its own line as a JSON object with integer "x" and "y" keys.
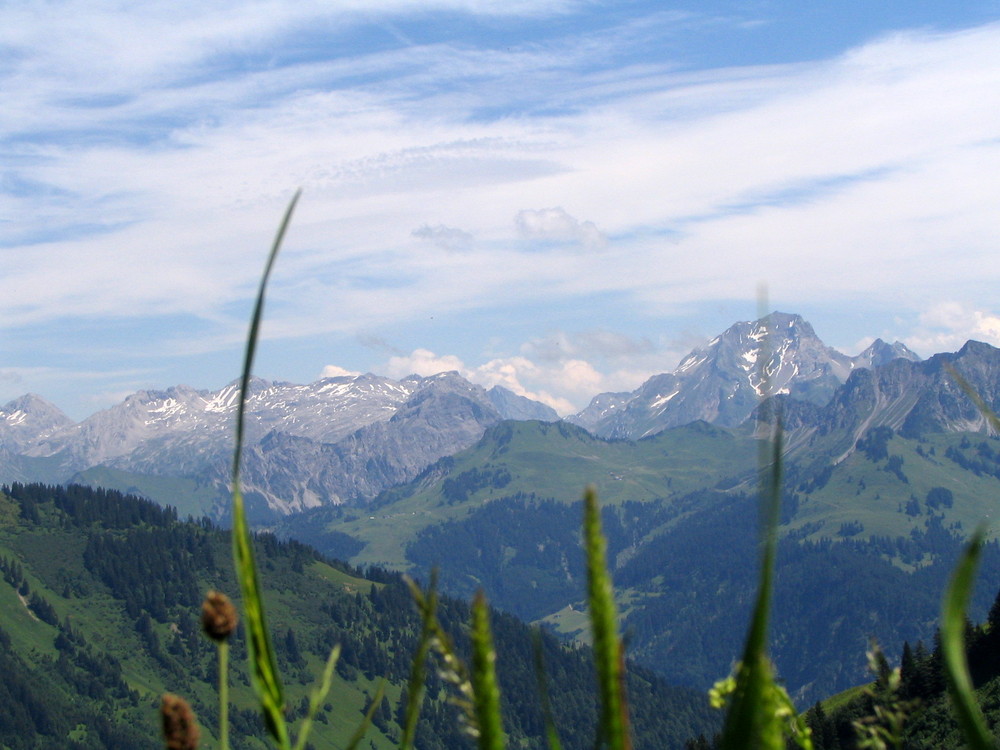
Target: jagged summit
{"x": 338, "y": 439}
{"x": 724, "y": 381}
{"x": 26, "y": 418}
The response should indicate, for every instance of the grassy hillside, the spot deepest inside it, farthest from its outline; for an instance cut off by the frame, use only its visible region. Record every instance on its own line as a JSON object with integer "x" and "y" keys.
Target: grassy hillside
{"x": 539, "y": 460}
{"x": 867, "y": 541}
{"x": 98, "y": 617}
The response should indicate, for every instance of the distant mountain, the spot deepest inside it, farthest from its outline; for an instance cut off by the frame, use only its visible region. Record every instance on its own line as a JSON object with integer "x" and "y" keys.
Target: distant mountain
{"x": 910, "y": 398}
{"x": 513, "y": 406}
{"x": 28, "y": 419}
{"x": 340, "y": 439}
{"x": 881, "y": 486}
{"x": 721, "y": 382}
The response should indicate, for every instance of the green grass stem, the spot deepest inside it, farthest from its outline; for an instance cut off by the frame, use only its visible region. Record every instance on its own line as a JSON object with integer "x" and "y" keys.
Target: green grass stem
{"x": 953, "y": 606}
{"x": 359, "y": 733}
{"x": 761, "y": 714}
{"x": 317, "y": 697}
{"x": 427, "y": 608}
{"x": 264, "y": 668}
{"x": 484, "y": 678}
{"x": 223, "y": 647}
{"x": 613, "y": 726}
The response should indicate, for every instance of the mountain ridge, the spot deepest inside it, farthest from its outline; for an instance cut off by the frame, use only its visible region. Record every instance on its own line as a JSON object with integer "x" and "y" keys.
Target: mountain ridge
{"x": 720, "y": 382}
{"x": 363, "y": 433}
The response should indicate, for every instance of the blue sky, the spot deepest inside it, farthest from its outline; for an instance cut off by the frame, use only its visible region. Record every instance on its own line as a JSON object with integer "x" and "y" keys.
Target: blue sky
{"x": 561, "y": 197}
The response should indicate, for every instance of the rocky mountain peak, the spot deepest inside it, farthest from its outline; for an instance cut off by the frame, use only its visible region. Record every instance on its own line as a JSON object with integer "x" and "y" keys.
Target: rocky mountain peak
{"x": 723, "y": 381}
{"x": 337, "y": 439}
{"x": 28, "y": 419}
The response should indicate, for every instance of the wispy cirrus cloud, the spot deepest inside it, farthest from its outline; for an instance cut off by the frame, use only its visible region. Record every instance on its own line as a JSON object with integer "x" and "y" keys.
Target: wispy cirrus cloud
{"x": 148, "y": 158}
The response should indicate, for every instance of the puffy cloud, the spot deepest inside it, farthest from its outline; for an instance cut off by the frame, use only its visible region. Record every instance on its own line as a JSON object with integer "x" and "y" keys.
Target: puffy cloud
{"x": 447, "y": 238}
{"x": 335, "y": 371}
{"x": 565, "y": 383}
{"x": 423, "y": 362}
{"x": 947, "y": 326}
{"x": 554, "y": 225}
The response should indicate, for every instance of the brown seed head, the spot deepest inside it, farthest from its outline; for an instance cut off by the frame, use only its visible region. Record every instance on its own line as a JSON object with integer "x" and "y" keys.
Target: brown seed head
{"x": 179, "y": 727}
{"x": 218, "y": 616}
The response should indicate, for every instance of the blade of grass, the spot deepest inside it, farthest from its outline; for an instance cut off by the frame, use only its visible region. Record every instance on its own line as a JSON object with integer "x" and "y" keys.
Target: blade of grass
{"x": 750, "y": 721}
{"x": 264, "y": 671}
{"x": 988, "y": 414}
{"x": 484, "y": 678}
{"x": 612, "y": 728}
{"x": 359, "y": 733}
{"x": 756, "y": 715}
{"x": 451, "y": 669}
{"x": 318, "y": 696}
{"x": 223, "y": 654}
{"x": 427, "y": 607}
{"x": 953, "y": 607}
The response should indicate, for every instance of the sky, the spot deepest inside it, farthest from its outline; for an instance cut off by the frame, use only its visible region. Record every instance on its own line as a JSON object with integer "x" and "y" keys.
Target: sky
{"x": 563, "y": 197}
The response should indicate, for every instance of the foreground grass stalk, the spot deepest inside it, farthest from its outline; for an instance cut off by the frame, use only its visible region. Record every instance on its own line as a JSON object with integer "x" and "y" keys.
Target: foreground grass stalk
{"x": 752, "y": 720}
{"x": 223, "y": 650}
{"x": 613, "y": 727}
{"x": 427, "y": 607}
{"x": 359, "y": 733}
{"x": 484, "y": 678}
{"x": 264, "y": 668}
{"x": 761, "y": 713}
{"x": 218, "y": 621}
{"x": 884, "y": 729}
{"x": 956, "y": 598}
{"x": 953, "y": 607}
{"x": 318, "y": 696}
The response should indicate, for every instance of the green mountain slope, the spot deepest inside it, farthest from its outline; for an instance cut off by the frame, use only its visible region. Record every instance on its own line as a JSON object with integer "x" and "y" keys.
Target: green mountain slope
{"x": 866, "y": 541}
{"x": 98, "y": 608}
{"x": 531, "y": 459}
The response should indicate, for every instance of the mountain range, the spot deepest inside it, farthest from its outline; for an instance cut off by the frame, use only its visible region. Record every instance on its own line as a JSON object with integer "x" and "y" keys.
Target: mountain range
{"x": 722, "y": 383}
{"x": 882, "y": 485}
{"x": 888, "y": 463}
{"x": 346, "y": 439}
{"x": 337, "y": 440}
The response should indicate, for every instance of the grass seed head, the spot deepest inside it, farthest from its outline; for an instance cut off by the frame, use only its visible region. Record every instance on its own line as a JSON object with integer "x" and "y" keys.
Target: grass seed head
{"x": 180, "y": 730}
{"x": 218, "y": 616}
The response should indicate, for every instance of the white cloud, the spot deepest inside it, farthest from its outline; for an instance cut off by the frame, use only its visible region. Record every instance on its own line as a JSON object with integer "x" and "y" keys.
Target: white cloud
{"x": 423, "y": 362}
{"x": 947, "y": 326}
{"x": 563, "y": 382}
{"x": 335, "y": 371}
{"x": 447, "y": 238}
{"x": 555, "y": 225}
{"x": 150, "y": 158}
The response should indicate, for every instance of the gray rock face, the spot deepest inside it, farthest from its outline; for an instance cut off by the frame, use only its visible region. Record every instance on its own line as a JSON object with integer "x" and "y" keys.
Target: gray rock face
{"x": 722, "y": 383}
{"x": 336, "y": 440}
{"x": 512, "y": 406}
{"x": 914, "y": 398}
{"x": 908, "y": 397}
{"x": 27, "y": 420}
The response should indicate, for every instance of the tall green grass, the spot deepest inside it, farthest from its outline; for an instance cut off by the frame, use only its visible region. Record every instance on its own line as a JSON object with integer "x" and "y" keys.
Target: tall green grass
{"x": 760, "y": 714}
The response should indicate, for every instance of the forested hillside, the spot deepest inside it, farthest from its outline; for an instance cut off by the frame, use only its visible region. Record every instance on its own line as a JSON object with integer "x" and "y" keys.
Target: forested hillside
{"x": 920, "y": 700}
{"x": 866, "y": 543}
{"x": 98, "y": 617}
